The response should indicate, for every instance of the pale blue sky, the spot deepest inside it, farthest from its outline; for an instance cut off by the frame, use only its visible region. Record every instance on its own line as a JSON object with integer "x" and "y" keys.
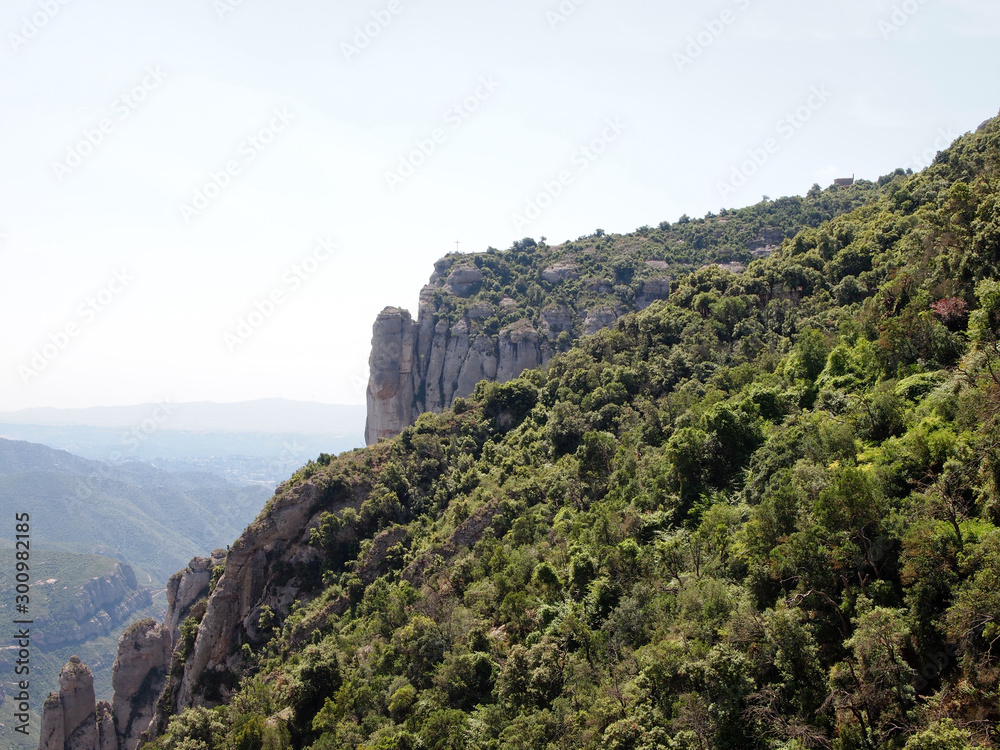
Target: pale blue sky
{"x": 692, "y": 87}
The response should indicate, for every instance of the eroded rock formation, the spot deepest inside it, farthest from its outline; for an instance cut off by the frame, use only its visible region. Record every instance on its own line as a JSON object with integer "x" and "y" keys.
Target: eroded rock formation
{"x": 70, "y": 717}
{"x": 187, "y": 587}
{"x": 99, "y": 605}
{"x": 458, "y": 340}
{"x": 140, "y": 673}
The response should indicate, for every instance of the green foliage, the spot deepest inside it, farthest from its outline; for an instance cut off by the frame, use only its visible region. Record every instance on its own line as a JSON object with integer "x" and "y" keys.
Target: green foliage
{"x": 942, "y": 735}
{"x": 761, "y": 514}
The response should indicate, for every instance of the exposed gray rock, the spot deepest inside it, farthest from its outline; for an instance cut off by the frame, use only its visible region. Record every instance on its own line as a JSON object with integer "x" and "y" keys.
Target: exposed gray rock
{"x": 100, "y": 604}
{"x": 464, "y": 280}
{"x": 52, "y": 735}
{"x": 652, "y": 290}
{"x": 555, "y": 320}
{"x": 140, "y": 673}
{"x": 561, "y": 271}
{"x": 598, "y": 318}
{"x": 390, "y": 387}
{"x": 183, "y": 590}
{"x": 518, "y": 351}
{"x": 72, "y": 719}
{"x": 234, "y": 607}
{"x": 107, "y": 737}
{"x": 424, "y": 365}
{"x": 76, "y": 692}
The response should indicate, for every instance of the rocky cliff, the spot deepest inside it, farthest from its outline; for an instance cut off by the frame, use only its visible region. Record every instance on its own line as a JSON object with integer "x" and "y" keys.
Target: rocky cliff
{"x": 140, "y": 673}
{"x": 95, "y": 609}
{"x": 72, "y": 719}
{"x": 473, "y": 326}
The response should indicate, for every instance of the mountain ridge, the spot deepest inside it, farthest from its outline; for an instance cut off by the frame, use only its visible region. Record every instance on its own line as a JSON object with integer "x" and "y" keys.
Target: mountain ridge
{"x": 762, "y": 513}
{"x": 491, "y": 316}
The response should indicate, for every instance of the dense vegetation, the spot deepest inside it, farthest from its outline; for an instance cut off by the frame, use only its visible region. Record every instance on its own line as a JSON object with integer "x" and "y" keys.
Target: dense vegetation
{"x": 611, "y": 270}
{"x": 761, "y": 515}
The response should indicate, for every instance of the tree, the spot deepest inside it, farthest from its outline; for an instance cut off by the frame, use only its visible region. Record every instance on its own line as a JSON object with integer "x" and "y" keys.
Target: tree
{"x": 942, "y": 735}
{"x": 872, "y": 689}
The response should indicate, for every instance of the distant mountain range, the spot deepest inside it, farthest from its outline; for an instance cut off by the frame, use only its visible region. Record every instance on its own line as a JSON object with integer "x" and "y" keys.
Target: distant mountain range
{"x": 261, "y": 441}
{"x": 130, "y": 511}
{"x": 272, "y": 415}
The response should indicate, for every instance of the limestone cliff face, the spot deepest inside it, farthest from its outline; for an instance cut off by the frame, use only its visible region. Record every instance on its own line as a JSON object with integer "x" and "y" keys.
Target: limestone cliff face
{"x": 391, "y": 384}
{"x": 459, "y": 339}
{"x": 140, "y": 673}
{"x": 187, "y": 587}
{"x": 278, "y": 540}
{"x": 97, "y": 607}
{"x": 71, "y": 718}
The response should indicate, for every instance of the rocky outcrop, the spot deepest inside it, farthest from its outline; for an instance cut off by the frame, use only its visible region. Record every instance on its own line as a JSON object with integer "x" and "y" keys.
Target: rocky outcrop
{"x": 76, "y": 693}
{"x": 107, "y": 736}
{"x": 562, "y": 271}
{"x": 140, "y": 674}
{"x": 598, "y": 318}
{"x": 100, "y": 604}
{"x": 279, "y": 541}
{"x": 72, "y": 719}
{"x": 390, "y": 387}
{"x": 187, "y": 587}
{"x": 424, "y": 365}
{"x": 52, "y": 735}
{"x": 653, "y": 289}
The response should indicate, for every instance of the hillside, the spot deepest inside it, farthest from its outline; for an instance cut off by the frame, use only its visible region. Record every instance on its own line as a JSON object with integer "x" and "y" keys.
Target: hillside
{"x": 130, "y": 511}
{"x": 492, "y": 315}
{"x": 760, "y": 514}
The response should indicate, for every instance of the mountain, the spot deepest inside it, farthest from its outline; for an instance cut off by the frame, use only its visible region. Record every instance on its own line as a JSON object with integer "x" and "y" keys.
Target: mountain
{"x": 763, "y": 513}
{"x": 251, "y": 442}
{"x": 493, "y": 315}
{"x": 130, "y": 511}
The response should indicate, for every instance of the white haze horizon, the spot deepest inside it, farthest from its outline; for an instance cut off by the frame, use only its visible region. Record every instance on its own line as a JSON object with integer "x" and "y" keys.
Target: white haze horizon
{"x": 211, "y": 202}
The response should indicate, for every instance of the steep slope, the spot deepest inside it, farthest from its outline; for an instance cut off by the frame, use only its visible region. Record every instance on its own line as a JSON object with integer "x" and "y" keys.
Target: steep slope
{"x": 761, "y": 514}
{"x": 493, "y": 315}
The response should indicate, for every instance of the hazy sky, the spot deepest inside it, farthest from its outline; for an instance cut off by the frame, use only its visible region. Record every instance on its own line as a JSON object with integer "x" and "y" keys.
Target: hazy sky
{"x": 172, "y": 169}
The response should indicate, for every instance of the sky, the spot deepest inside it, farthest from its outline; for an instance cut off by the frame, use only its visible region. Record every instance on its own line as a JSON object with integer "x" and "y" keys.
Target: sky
{"x": 211, "y": 200}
